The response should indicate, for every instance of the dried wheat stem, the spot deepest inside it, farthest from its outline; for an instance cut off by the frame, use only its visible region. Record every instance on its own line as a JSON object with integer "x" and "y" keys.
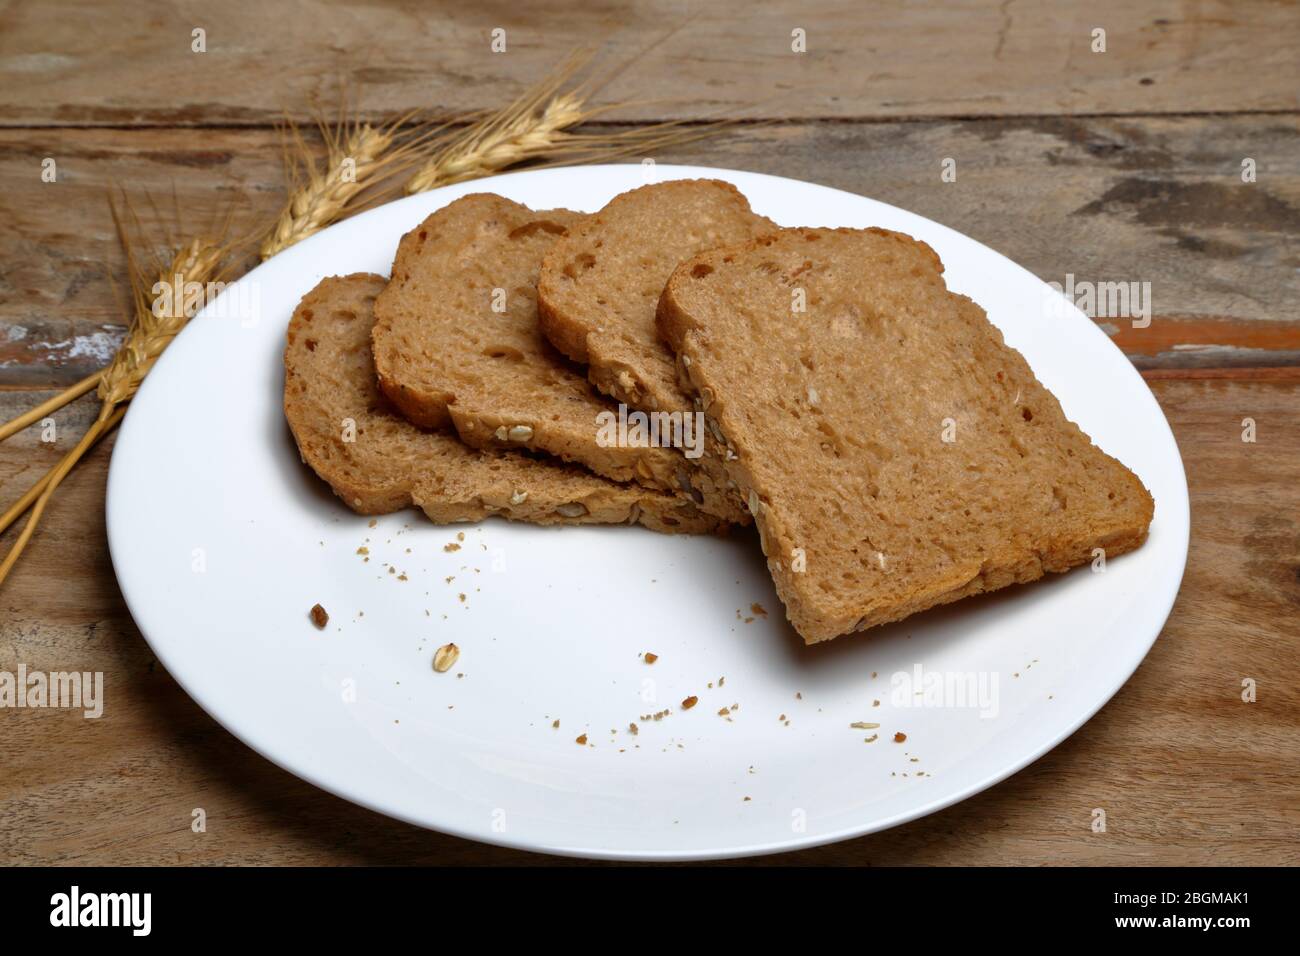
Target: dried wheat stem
{"x": 51, "y": 483}
{"x": 17, "y": 424}
{"x": 154, "y": 324}
{"x": 34, "y": 492}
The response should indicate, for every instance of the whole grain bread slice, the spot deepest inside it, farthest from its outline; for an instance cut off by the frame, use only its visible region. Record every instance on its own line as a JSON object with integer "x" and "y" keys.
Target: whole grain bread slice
{"x": 895, "y": 452}
{"x": 600, "y": 283}
{"x": 456, "y": 340}
{"x": 378, "y": 462}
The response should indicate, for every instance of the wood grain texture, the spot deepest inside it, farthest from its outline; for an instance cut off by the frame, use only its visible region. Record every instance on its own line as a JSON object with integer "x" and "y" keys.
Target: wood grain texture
{"x": 83, "y": 62}
{"x": 1123, "y": 166}
{"x": 1187, "y": 772}
{"x": 1146, "y": 200}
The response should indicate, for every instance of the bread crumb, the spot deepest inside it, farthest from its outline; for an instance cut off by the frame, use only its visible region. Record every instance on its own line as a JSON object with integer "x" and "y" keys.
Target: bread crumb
{"x": 580, "y": 740}
{"x": 690, "y": 702}
{"x": 363, "y": 550}
{"x": 556, "y": 723}
{"x": 650, "y": 658}
{"x": 758, "y": 609}
{"x": 319, "y": 617}
{"x": 451, "y": 546}
{"x": 373, "y": 522}
{"x": 899, "y": 737}
{"x": 633, "y": 729}
{"x": 862, "y": 725}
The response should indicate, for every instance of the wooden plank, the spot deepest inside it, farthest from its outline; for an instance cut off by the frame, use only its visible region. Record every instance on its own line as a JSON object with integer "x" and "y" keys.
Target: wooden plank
{"x": 1154, "y": 200}
{"x": 131, "y": 63}
{"x": 1187, "y": 773}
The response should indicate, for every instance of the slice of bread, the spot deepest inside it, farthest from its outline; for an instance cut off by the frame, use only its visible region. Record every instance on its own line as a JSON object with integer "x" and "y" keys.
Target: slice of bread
{"x": 600, "y": 283}
{"x": 896, "y": 454}
{"x": 378, "y": 462}
{"x": 456, "y": 341}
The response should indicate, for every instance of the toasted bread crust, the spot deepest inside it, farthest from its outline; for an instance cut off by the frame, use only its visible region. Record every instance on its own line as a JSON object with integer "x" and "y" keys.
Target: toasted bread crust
{"x": 896, "y": 453}
{"x": 377, "y": 462}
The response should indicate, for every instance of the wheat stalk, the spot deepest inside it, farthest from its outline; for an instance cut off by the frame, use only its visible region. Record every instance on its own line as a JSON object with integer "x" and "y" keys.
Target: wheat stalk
{"x": 537, "y": 127}
{"x": 155, "y": 322}
{"x": 499, "y": 142}
{"x": 359, "y": 159}
{"x": 351, "y": 163}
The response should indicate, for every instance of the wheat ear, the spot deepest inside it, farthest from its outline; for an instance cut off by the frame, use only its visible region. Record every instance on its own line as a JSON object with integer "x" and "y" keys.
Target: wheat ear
{"x": 152, "y": 329}
{"x": 322, "y": 193}
{"x": 536, "y": 126}
{"x": 359, "y": 159}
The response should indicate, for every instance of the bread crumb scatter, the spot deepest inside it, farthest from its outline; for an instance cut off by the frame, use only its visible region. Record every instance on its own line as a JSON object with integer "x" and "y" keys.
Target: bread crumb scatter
{"x": 319, "y": 617}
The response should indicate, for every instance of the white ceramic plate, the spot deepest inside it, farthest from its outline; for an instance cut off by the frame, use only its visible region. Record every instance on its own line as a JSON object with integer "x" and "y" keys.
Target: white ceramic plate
{"x": 222, "y": 540}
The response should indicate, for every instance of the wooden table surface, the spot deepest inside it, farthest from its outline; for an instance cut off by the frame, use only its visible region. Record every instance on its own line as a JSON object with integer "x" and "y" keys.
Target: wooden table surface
{"x": 1123, "y": 165}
